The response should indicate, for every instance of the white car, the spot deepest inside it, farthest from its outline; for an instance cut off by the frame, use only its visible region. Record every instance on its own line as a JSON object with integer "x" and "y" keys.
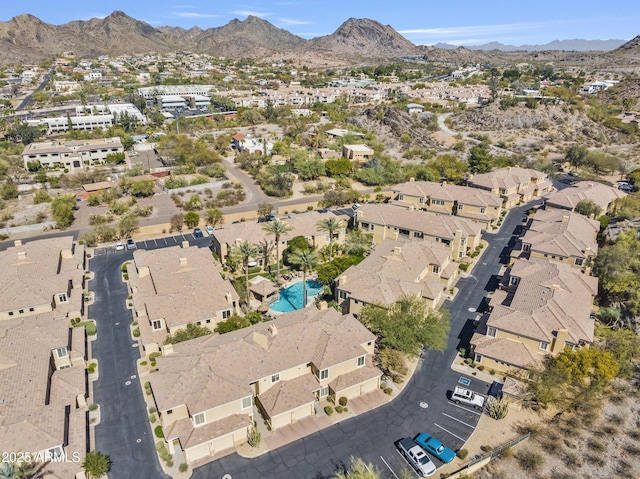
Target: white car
{"x": 356, "y": 206}
{"x": 209, "y": 229}
{"x": 119, "y": 246}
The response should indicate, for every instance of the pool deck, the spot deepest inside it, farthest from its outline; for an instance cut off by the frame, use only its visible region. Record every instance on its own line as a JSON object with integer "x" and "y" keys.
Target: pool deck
{"x": 297, "y": 278}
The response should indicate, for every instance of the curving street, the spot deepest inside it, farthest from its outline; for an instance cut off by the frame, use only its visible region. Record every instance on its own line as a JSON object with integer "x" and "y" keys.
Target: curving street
{"x": 371, "y": 435}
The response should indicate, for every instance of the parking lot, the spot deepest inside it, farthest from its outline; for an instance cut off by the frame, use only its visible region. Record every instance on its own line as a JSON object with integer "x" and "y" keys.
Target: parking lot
{"x": 157, "y": 243}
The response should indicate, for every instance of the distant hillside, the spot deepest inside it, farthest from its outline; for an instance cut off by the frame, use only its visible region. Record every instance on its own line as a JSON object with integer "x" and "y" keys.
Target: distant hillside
{"x": 575, "y": 45}
{"x": 25, "y": 39}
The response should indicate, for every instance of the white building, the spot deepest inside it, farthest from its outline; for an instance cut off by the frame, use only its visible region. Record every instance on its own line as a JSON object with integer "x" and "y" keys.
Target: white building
{"x": 72, "y": 154}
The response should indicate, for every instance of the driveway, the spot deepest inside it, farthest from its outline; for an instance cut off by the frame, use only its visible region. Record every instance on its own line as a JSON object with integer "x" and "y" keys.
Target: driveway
{"x": 124, "y": 432}
{"x": 371, "y": 435}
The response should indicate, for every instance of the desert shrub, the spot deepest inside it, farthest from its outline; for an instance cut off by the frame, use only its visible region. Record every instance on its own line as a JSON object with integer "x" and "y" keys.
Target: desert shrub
{"x": 328, "y": 410}
{"x": 339, "y": 409}
{"x": 152, "y": 418}
{"x": 183, "y": 467}
{"x": 462, "y": 454}
{"x": 388, "y": 390}
{"x": 530, "y": 460}
{"x": 343, "y": 401}
{"x": 136, "y": 333}
{"x": 253, "y": 436}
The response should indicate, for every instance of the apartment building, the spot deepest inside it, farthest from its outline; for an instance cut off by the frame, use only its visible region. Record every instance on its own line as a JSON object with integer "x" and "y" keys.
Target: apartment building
{"x": 384, "y": 221}
{"x": 541, "y": 308}
{"x": 207, "y": 399}
{"x": 303, "y": 224}
{"x": 71, "y": 154}
{"x": 560, "y": 235}
{"x": 174, "y": 287}
{"x": 477, "y": 205}
{"x": 515, "y": 185}
{"x": 43, "y": 378}
{"x": 568, "y": 198}
{"x": 397, "y": 268}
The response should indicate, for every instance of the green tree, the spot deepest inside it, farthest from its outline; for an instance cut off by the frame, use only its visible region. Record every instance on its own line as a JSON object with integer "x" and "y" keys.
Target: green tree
{"x": 213, "y": 216}
{"x": 23, "y": 132}
{"x": 9, "y": 190}
{"x": 62, "y": 208}
{"x": 192, "y": 219}
{"x": 332, "y": 226}
{"x": 265, "y": 209}
{"x": 588, "y": 208}
{"x": 480, "y": 160}
{"x": 140, "y": 188}
{"x": 278, "y": 229}
{"x": 577, "y": 155}
{"x": 408, "y": 324}
{"x": 41, "y": 196}
{"x": 334, "y": 198}
{"x": 338, "y": 167}
{"x": 233, "y": 323}
{"x": 190, "y": 332}
{"x": 358, "y": 242}
{"x": 247, "y": 252}
{"x": 128, "y": 225}
{"x": 177, "y": 222}
{"x": 96, "y": 465}
{"x": 306, "y": 260}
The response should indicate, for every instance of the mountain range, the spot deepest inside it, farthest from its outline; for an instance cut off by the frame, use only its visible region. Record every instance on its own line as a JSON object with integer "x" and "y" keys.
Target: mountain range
{"x": 574, "y": 45}
{"x": 26, "y": 38}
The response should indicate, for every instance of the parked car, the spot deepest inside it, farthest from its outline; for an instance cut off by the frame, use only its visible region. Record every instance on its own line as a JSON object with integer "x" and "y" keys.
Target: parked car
{"x": 131, "y": 244}
{"x": 356, "y": 206}
{"x": 434, "y": 447}
{"x": 209, "y": 229}
{"x": 119, "y": 246}
{"x": 467, "y": 396}
{"x": 416, "y": 457}
{"x": 198, "y": 233}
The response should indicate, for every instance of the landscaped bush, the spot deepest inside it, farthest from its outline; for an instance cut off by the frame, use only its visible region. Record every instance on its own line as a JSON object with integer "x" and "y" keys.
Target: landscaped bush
{"x": 91, "y": 368}
{"x": 253, "y": 436}
{"x": 462, "y": 453}
{"x": 328, "y": 410}
{"x": 136, "y": 333}
{"x": 183, "y": 467}
{"x": 158, "y": 432}
{"x": 152, "y": 418}
{"x": 339, "y": 409}
{"x": 343, "y": 401}
{"x": 463, "y": 266}
{"x": 93, "y": 406}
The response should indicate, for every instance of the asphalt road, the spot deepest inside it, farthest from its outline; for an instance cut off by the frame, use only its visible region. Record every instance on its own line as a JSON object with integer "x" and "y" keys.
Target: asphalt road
{"x": 124, "y": 432}
{"x": 371, "y": 435}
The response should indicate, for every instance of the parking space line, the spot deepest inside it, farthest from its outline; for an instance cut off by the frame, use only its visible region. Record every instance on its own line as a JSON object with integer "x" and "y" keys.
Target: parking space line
{"x": 155, "y": 242}
{"x": 446, "y": 430}
{"x": 456, "y": 419}
{"x": 472, "y": 411}
{"x": 389, "y": 467}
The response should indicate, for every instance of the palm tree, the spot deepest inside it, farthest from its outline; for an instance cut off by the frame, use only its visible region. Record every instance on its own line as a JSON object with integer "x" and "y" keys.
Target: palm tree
{"x": 331, "y": 225}
{"x": 96, "y": 465}
{"x": 306, "y": 260}
{"x": 266, "y": 247}
{"x": 247, "y": 251}
{"x": 277, "y": 228}
{"x": 358, "y": 242}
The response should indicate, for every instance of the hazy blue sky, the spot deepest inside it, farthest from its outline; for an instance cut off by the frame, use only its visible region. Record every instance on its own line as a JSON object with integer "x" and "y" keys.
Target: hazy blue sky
{"x": 461, "y": 22}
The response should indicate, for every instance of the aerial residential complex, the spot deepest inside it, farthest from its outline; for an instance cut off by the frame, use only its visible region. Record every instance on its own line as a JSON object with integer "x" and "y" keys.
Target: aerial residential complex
{"x": 207, "y": 399}
{"x": 43, "y": 380}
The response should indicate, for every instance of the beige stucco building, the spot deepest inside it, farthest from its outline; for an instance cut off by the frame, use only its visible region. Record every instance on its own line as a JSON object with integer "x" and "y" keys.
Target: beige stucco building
{"x": 384, "y": 221}
{"x": 480, "y": 206}
{"x": 71, "y": 154}
{"x": 206, "y": 398}
{"x": 541, "y": 308}
{"x": 397, "y": 268}
{"x": 562, "y": 236}
{"x": 568, "y": 198}
{"x": 174, "y": 287}
{"x": 514, "y": 184}
{"x": 359, "y": 153}
{"x": 43, "y": 378}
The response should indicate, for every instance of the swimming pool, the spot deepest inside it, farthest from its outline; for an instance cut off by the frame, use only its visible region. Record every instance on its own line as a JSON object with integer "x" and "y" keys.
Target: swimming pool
{"x": 291, "y": 297}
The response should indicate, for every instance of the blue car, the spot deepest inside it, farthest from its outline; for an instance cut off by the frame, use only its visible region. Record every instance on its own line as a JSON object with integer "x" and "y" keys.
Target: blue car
{"x": 434, "y": 447}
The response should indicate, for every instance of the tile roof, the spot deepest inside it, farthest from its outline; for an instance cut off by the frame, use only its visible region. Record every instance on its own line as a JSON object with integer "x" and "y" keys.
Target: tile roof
{"x": 35, "y": 271}
{"x": 568, "y": 198}
{"x": 442, "y": 226}
{"x": 396, "y": 268}
{"x": 287, "y": 395}
{"x": 549, "y": 296}
{"x": 183, "y": 285}
{"x": 192, "y": 436}
{"x": 357, "y": 376}
{"x": 560, "y": 232}
{"x": 507, "y": 351}
{"x": 205, "y": 372}
{"x": 448, "y": 192}
{"x": 506, "y": 177}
